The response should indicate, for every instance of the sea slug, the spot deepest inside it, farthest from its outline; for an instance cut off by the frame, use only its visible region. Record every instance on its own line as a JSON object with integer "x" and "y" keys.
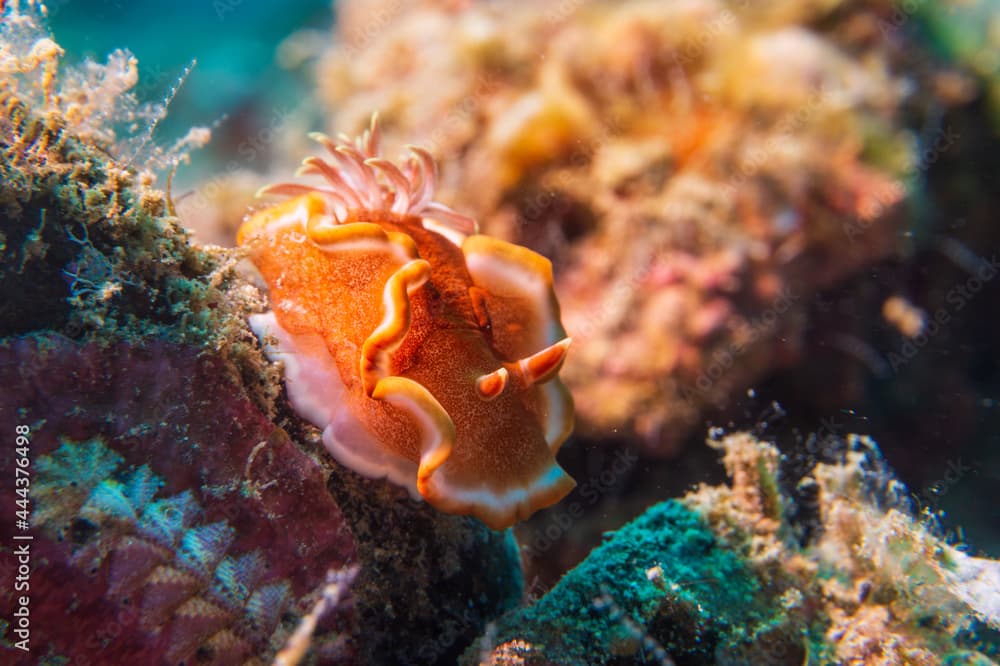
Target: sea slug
{"x": 427, "y": 353}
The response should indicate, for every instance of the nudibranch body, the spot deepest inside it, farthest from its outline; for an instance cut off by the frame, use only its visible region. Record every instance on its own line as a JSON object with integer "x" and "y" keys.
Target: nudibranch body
{"x": 426, "y": 352}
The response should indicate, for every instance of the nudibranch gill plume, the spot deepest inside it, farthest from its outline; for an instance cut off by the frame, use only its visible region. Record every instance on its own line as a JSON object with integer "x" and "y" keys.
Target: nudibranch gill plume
{"x": 426, "y": 352}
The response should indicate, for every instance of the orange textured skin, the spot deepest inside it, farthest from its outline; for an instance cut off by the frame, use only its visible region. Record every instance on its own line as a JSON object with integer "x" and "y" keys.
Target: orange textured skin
{"x": 328, "y": 282}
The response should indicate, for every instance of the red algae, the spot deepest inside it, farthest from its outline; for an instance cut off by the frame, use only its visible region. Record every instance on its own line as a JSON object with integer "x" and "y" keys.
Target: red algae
{"x": 107, "y": 586}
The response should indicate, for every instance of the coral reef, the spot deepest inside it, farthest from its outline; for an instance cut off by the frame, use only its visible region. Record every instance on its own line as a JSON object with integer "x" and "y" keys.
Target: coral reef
{"x": 697, "y": 171}
{"x": 695, "y": 188}
{"x": 828, "y": 568}
{"x": 664, "y": 573}
{"x": 889, "y": 589}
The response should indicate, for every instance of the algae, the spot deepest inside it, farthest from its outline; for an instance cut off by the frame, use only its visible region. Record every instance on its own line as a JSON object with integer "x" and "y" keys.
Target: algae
{"x": 665, "y": 572}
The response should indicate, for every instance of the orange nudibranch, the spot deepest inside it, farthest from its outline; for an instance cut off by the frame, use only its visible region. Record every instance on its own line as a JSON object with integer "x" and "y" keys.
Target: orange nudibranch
{"x": 427, "y": 353}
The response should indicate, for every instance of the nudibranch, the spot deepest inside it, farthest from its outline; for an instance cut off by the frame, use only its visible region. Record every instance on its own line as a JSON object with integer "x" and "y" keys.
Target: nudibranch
{"x": 426, "y": 352}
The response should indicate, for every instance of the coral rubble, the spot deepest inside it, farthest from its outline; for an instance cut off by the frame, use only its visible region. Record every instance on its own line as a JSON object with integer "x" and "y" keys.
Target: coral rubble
{"x": 885, "y": 587}
{"x": 697, "y": 170}
{"x": 726, "y": 575}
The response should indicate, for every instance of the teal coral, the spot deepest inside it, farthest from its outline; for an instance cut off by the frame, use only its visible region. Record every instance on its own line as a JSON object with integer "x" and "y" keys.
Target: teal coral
{"x": 203, "y": 547}
{"x": 234, "y": 578}
{"x": 121, "y": 499}
{"x": 71, "y": 473}
{"x": 698, "y": 586}
{"x": 163, "y": 520}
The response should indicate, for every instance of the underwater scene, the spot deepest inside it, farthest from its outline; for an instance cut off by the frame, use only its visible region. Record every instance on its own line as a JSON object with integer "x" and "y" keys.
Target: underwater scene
{"x": 500, "y": 332}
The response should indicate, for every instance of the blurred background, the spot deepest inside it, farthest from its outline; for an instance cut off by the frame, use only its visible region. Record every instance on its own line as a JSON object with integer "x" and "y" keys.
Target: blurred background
{"x": 227, "y": 53}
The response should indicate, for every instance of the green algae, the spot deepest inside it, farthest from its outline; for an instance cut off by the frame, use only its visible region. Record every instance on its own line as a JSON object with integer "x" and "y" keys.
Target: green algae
{"x": 90, "y": 248}
{"x": 89, "y": 251}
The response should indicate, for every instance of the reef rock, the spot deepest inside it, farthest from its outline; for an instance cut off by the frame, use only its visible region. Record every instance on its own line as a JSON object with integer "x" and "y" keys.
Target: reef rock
{"x": 171, "y": 520}
{"x": 829, "y": 568}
